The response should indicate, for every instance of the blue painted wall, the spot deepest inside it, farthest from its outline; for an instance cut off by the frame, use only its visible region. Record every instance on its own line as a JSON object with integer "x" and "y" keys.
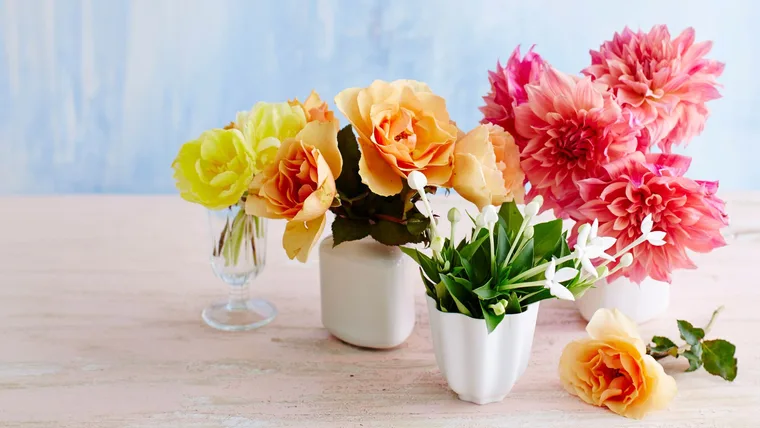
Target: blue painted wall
{"x": 97, "y": 95}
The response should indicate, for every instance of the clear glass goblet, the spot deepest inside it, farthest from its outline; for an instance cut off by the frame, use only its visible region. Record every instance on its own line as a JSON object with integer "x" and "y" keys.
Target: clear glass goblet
{"x": 238, "y": 254}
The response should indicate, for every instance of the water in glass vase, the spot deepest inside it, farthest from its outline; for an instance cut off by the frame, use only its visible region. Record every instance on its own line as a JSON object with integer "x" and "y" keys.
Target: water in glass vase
{"x": 238, "y": 254}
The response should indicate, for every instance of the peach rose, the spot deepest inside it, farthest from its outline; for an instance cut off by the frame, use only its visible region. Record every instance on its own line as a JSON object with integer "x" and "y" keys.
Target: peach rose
{"x": 612, "y": 369}
{"x": 299, "y": 186}
{"x": 487, "y": 167}
{"x": 402, "y": 127}
{"x": 316, "y": 109}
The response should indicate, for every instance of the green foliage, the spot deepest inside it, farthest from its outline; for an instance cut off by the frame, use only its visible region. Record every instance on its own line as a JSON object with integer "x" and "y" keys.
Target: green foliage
{"x": 689, "y": 333}
{"x": 470, "y": 280}
{"x": 390, "y": 220}
{"x": 716, "y": 356}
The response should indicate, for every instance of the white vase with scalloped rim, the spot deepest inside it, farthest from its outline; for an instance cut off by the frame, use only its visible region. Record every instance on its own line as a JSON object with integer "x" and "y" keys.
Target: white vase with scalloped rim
{"x": 480, "y": 367}
{"x": 367, "y": 297}
{"x": 640, "y": 302}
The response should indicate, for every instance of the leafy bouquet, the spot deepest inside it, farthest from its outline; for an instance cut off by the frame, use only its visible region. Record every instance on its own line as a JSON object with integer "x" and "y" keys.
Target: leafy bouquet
{"x": 507, "y": 263}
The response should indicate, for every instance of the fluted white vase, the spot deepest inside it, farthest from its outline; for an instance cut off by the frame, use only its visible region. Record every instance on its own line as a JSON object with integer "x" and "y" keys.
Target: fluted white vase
{"x": 367, "y": 297}
{"x": 640, "y": 302}
{"x": 481, "y": 368}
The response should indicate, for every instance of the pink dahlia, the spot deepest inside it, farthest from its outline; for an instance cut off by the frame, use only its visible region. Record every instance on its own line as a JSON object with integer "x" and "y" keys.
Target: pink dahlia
{"x": 688, "y": 211}
{"x": 572, "y": 127}
{"x": 664, "y": 82}
{"x": 508, "y": 88}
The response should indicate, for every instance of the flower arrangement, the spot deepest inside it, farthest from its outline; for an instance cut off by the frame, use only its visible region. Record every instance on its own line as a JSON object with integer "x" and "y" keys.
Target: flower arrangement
{"x": 227, "y": 167}
{"x": 360, "y": 172}
{"x": 507, "y": 263}
{"x": 586, "y": 142}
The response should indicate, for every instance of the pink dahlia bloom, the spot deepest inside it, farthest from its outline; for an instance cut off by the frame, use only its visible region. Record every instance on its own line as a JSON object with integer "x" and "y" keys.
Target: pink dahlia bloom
{"x": 664, "y": 82}
{"x": 688, "y": 211}
{"x": 572, "y": 126}
{"x": 508, "y": 88}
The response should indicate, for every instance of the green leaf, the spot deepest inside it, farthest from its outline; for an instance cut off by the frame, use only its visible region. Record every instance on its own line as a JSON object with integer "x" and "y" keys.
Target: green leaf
{"x": 349, "y": 182}
{"x": 445, "y": 302}
{"x": 427, "y": 264}
{"x": 485, "y": 292}
{"x": 689, "y": 333}
{"x": 523, "y": 261}
{"x": 502, "y": 245}
{"x": 718, "y": 358}
{"x": 694, "y": 355}
{"x": 513, "y": 304}
{"x": 492, "y": 320}
{"x": 469, "y": 250}
{"x": 345, "y": 229}
{"x": 663, "y": 345}
{"x": 546, "y": 237}
{"x": 467, "y": 267}
{"x": 512, "y": 217}
{"x": 463, "y": 282}
{"x": 458, "y": 292}
{"x": 417, "y": 223}
{"x": 392, "y": 233}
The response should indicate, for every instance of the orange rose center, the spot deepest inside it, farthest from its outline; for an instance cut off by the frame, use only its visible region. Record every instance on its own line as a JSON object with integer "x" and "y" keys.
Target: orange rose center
{"x": 296, "y": 180}
{"x": 614, "y": 376}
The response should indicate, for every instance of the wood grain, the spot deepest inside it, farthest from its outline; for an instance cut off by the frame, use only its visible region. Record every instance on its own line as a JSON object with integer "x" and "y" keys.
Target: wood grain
{"x": 100, "y": 300}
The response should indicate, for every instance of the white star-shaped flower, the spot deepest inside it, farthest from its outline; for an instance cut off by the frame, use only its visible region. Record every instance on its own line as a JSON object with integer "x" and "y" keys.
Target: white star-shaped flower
{"x": 657, "y": 237}
{"x": 590, "y": 246}
{"x": 554, "y": 279}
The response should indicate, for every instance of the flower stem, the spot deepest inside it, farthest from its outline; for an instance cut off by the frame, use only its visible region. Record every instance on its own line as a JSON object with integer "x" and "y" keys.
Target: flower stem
{"x": 517, "y": 240}
{"x": 520, "y": 285}
{"x": 712, "y": 319}
{"x": 541, "y": 268}
{"x": 493, "y": 254}
{"x": 527, "y": 296}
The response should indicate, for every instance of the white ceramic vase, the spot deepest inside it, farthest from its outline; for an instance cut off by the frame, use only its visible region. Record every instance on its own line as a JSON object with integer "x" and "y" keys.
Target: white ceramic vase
{"x": 367, "y": 297}
{"x": 640, "y": 302}
{"x": 481, "y": 368}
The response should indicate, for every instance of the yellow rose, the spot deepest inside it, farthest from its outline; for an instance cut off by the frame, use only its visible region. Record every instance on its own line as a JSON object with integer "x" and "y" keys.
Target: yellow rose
{"x": 214, "y": 170}
{"x": 402, "y": 127}
{"x": 266, "y": 126}
{"x": 299, "y": 186}
{"x": 487, "y": 167}
{"x": 611, "y": 368}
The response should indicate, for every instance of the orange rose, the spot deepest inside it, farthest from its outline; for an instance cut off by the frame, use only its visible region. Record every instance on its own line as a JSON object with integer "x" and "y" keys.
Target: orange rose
{"x": 299, "y": 186}
{"x": 487, "y": 167}
{"x": 402, "y": 127}
{"x": 316, "y": 109}
{"x": 612, "y": 369}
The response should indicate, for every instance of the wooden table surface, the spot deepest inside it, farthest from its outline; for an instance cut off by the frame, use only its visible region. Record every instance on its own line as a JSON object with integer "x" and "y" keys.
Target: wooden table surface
{"x": 100, "y": 301}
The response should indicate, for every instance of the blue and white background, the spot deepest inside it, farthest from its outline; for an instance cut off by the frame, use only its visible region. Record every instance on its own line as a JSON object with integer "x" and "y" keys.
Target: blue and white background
{"x": 97, "y": 95}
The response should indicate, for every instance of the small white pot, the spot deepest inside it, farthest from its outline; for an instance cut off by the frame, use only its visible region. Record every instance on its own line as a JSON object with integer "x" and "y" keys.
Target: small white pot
{"x": 367, "y": 297}
{"x": 481, "y": 368}
{"x": 640, "y": 303}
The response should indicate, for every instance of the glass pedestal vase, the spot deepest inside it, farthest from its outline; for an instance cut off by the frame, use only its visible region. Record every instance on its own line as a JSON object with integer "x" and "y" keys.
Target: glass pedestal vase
{"x": 238, "y": 255}
{"x": 640, "y": 302}
{"x": 366, "y": 296}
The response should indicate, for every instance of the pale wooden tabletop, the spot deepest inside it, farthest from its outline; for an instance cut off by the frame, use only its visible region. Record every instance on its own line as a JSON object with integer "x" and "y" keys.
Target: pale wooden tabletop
{"x": 100, "y": 300}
